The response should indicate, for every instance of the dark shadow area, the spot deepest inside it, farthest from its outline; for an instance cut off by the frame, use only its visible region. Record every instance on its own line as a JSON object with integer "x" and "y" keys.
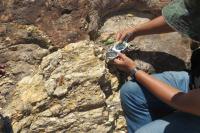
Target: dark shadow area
{"x": 160, "y": 61}
{"x": 195, "y": 68}
{"x": 66, "y": 11}
{"x": 179, "y": 122}
{"x": 105, "y": 86}
{"x": 5, "y": 125}
{"x": 2, "y": 8}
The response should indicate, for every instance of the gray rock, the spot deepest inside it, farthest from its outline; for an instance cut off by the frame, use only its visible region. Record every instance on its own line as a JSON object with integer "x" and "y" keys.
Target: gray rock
{"x": 50, "y": 86}
{"x": 60, "y": 91}
{"x": 57, "y": 18}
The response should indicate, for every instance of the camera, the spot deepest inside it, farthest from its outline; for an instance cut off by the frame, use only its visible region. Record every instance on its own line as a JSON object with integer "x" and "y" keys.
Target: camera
{"x": 119, "y": 47}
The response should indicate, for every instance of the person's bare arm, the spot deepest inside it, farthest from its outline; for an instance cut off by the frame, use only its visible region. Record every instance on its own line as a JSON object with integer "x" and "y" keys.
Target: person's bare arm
{"x": 186, "y": 102}
{"x": 155, "y": 26}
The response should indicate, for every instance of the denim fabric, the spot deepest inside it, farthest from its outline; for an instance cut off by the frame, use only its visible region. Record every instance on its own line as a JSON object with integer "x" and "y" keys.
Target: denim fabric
{"x": 177, "y": 122}
{"x": 141, "y": 107}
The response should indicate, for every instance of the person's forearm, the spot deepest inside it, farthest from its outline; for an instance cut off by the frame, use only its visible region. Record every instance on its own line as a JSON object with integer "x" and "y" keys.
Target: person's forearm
{"x": 161, "y": 90}
{"x": 155, "y": 26}
{"x": 186, "y": 102}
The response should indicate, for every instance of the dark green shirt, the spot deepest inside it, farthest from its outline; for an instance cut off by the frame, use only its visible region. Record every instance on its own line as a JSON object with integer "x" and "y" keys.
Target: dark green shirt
{"x": 184, "y": 16}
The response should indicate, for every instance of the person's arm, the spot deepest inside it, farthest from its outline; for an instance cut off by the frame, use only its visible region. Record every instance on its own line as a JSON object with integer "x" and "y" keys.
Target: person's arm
{"x": 186, "y": 102}
{"x": 155, "y": 26}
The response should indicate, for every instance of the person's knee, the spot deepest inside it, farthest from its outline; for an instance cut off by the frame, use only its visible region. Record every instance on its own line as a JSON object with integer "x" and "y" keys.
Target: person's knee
{"x": 130, "y": 90}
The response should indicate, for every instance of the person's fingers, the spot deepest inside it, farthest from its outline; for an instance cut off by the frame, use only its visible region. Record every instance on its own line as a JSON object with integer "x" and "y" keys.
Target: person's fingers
{"x": 120, "y": 55}
{"x": 123, "y": 36}
{"x": 117, "y": 61}
{"x": 118, "y": 36}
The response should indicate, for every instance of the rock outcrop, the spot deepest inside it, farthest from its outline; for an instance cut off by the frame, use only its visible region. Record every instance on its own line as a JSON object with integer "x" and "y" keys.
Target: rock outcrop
{"x": 69, "y": 92}
{"x": 56, "y": 76}
{"x": 68, "y": 20}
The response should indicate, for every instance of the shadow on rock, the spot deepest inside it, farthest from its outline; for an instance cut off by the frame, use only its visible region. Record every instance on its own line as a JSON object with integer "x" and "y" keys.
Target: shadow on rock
{"x": 159, "y": 61}
{"x": 5, "y": 125}
{"x": 105, "y": 86}
{"x": 121, "y": 76}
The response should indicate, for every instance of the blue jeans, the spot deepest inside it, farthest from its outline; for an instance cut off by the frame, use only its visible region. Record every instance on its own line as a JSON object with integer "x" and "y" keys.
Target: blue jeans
{"x": 144, "y": 112}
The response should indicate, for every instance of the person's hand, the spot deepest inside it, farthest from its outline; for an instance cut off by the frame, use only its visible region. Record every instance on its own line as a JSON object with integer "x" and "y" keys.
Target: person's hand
{"x": 122, "y": 35}
{"x": 124, "y": 63}
{"x": 2, "y": 71}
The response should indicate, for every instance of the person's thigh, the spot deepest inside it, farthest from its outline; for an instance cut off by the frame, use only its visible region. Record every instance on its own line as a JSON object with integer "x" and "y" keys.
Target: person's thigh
{"x": 141, "y": 107}
{"x": 179, "y": 80}
{"x": 175, "y": 123}
{"x": 157, "y": 108}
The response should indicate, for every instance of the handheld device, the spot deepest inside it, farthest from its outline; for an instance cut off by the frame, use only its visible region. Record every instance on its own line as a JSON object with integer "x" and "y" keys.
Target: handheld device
{"x": 119, "y": 47}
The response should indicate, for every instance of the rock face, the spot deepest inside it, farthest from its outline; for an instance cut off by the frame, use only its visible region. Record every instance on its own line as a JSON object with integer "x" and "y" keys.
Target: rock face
{"x": 66, "y": 94}
{"x": 70, "y": 89}
{"x": 21, "y": 49}
{"x": 57, "y": 17}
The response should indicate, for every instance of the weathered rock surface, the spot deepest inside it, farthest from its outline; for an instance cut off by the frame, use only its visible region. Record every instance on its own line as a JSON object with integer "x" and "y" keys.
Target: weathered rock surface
{"x": 57, "y": 17}
{"x": 70, "y": 89}
{"x": 65, "y": 94}
{"x": 21, "y": 49}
